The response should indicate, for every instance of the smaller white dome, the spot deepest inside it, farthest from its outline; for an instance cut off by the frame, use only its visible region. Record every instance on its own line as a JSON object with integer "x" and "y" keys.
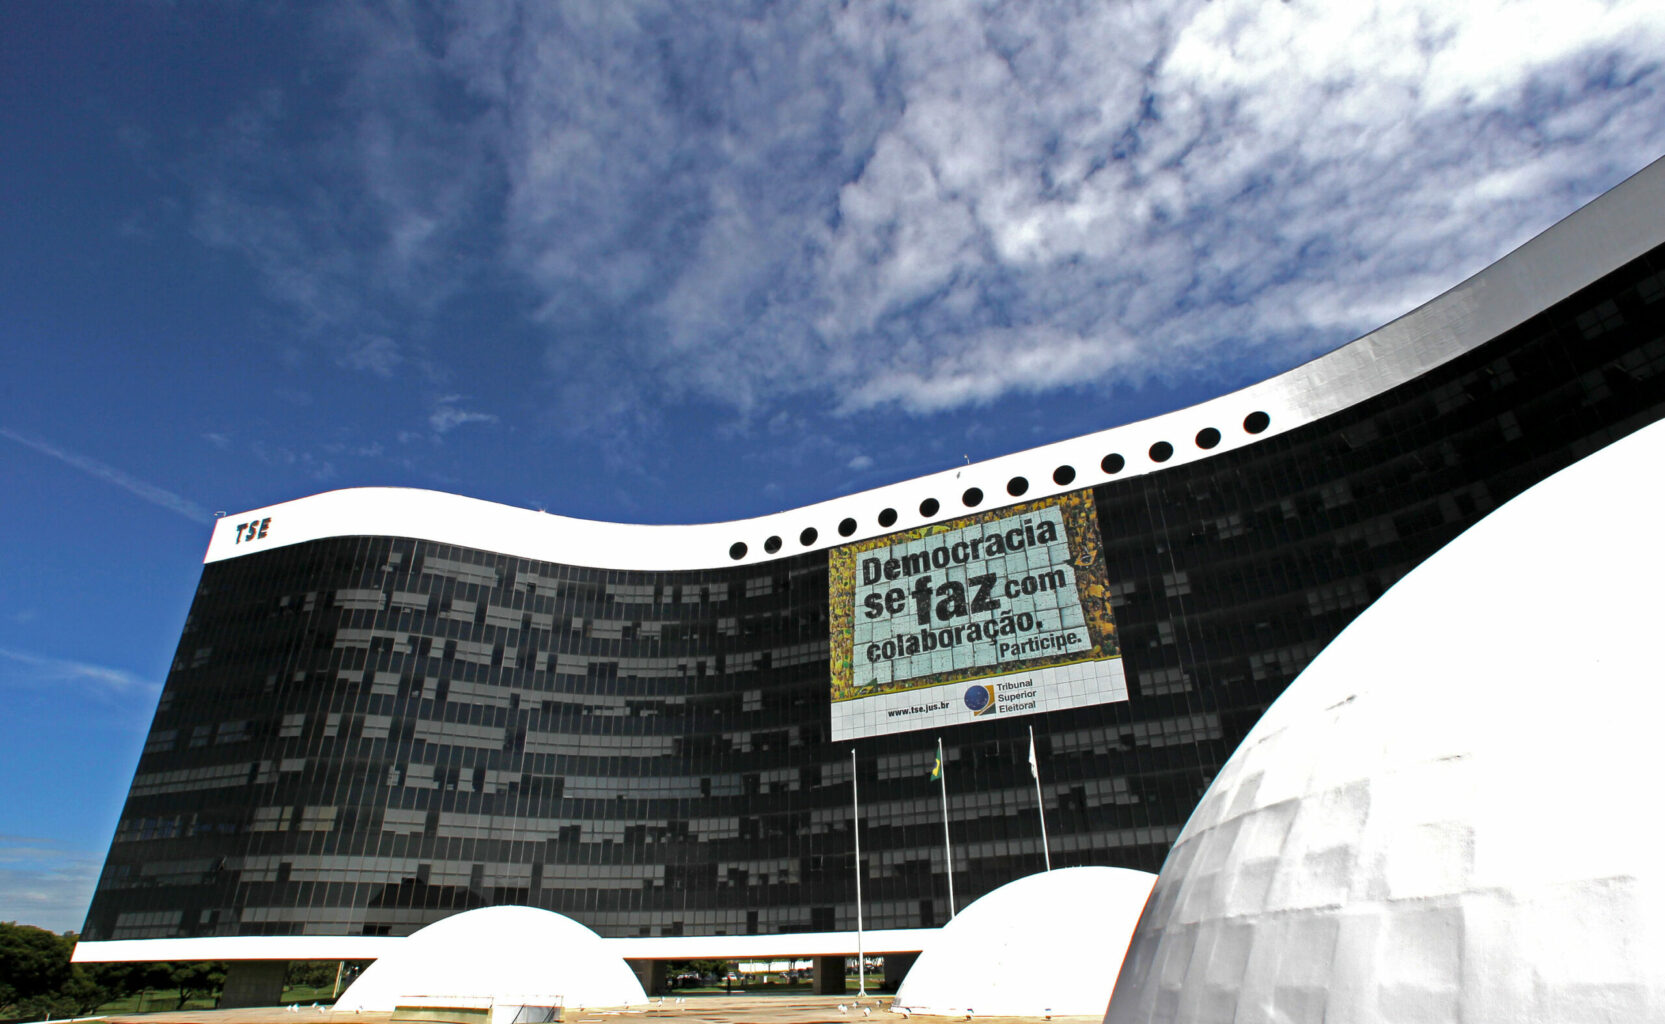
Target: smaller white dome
{"x": 1046, "y": 944}
{"x": 498, "y": 953}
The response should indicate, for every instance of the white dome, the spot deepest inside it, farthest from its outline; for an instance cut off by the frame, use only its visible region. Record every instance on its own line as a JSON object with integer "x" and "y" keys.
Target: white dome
{"x": 1030, "y": 947}
{"x": 1446, "y": 816}
{"x": 493, "y": 953}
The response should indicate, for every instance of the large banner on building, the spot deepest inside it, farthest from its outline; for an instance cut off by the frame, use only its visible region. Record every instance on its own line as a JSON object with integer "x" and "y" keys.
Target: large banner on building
{"x": 1001, "y": 613}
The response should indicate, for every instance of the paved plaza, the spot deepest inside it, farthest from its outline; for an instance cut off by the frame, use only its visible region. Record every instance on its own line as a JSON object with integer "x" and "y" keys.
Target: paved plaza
{"x": 694, "y": 1010}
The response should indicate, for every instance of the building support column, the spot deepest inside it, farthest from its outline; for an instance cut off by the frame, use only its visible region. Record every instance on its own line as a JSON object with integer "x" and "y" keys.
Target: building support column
{"x": 829, "y": 975}
{"x": 651, "y": 973}
{"x": 896, "y": 968}
{"x": 253, "y": 983}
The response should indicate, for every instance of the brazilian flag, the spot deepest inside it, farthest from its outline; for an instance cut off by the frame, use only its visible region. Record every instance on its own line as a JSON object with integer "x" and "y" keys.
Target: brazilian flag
{"x": 936, "y": 769}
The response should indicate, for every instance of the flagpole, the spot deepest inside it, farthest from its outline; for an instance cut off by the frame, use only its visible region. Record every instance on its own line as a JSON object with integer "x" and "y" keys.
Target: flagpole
{"x": 1040, "y": 803}
{"x": 861, "y": 955}
{"x": 947, "y": 844}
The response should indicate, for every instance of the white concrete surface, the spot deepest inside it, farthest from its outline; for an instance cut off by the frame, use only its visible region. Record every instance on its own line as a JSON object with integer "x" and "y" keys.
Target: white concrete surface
{"x": 1032, "y": 947}
{"x": 1449, "y": 816}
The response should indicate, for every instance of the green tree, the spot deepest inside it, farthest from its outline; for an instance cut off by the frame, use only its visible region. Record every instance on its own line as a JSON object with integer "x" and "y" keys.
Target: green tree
{"x": 203, "y": 978}
{"x": 119, "y": 979}
{"x": 310, "y": 973}
{"x": 88, "y": 988}
{"x": 34, "y": 964}
{"x": 135, "y": 978}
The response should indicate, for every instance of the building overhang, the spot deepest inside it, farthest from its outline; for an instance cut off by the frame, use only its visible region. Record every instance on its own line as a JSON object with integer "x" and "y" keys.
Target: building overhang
{"x": 374, "y": 947}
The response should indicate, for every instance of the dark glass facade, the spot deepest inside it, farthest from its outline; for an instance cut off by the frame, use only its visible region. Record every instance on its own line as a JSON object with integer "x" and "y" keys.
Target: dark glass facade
{"x": 365, "y": 734}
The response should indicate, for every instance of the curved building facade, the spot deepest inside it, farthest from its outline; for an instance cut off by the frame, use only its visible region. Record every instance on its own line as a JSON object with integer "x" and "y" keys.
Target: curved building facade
{"x": 389, "y": 706}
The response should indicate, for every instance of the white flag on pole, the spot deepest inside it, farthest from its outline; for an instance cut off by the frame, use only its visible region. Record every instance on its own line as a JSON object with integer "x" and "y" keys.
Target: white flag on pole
{"x": 1040, "y": 804}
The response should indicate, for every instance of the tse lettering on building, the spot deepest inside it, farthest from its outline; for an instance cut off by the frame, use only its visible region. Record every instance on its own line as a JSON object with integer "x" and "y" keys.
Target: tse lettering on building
{"x": 253, "y": 530}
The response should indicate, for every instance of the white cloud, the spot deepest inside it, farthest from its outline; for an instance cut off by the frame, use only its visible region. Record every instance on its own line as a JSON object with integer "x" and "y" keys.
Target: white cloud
{"x": 359, "y": 449}
{"x": 446, "y": 416}
{"x": 923, "y": 207}
{"x": 969, "y": 201}
{"x": 111, "y": 475}
{"x": 45, "y": 884}
{"x": 317, "y": 468}
{"x": 378, "y": 355}
{"x": 362, "y": 219}
{"x": 42, "y": 670}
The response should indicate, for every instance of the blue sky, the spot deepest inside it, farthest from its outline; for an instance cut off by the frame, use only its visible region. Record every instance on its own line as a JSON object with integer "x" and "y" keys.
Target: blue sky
{"x": 663, "y": 262}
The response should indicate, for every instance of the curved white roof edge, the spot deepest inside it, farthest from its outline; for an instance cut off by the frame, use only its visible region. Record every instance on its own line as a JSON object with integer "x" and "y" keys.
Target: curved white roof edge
{"x": 1609, "y": 232}
{"x": 372, "y": 947}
